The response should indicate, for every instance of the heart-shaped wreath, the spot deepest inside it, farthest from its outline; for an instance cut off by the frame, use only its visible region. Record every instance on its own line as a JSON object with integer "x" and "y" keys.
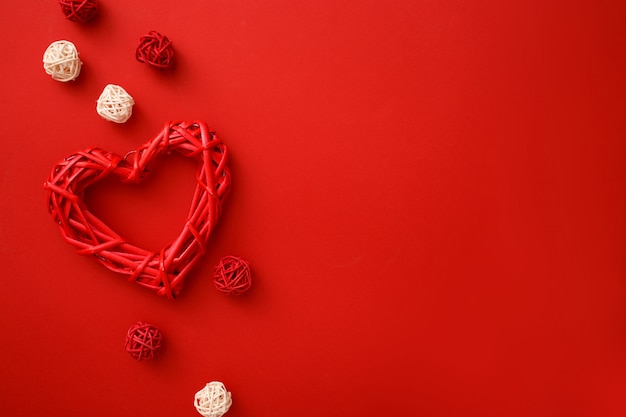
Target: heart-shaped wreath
{"x": 163, "y": 271}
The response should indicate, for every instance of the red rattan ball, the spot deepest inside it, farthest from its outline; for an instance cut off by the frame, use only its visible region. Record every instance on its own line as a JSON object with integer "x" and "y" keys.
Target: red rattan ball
{"x": 143, "y": 341}
{"x": 232, "y": 275}
{"x": 79, "y": 10}
{"x": 155, "y": 50}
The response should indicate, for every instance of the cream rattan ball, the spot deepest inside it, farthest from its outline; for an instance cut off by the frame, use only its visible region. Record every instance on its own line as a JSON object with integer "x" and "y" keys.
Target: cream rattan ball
{"x": 115, "y": 104}
{"x": 61, "y": 61}
{"x": 213, "y": 400}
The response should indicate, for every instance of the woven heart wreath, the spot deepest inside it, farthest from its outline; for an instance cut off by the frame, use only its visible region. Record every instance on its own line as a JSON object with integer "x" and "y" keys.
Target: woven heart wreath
{"x": 163, "y": 271}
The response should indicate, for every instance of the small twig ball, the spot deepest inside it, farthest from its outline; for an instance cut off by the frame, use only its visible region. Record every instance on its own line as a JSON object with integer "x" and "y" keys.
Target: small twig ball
{"x": 155, "y": 50}
{"x": 81, "y": 11}
{"x": 115, "y": 104}
{"x": 61, "y": 61}
{"x": 213, "y": 400}
{"x": 232, "y": 275}
{"x": 143, "y": 341}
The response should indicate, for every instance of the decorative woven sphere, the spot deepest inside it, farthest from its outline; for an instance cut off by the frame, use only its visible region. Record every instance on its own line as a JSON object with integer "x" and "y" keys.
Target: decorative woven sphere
{"x": 79, "y": 10}
{"x": 61, "y": 61}
{"x": 232, "y": 275}
{"x": 213, "y": 400}
{"x": 143, "y": 341}
{"x": 115, "y": 104}
{"x": 155, "y": 50}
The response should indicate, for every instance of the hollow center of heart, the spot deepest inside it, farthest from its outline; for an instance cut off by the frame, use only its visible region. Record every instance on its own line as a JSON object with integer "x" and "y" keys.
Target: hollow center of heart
{"x": 150, "y": 214}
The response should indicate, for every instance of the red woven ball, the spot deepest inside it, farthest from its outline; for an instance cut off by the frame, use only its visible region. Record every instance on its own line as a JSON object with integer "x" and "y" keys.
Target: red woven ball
{"x": 143, "y": 341}
{"x": 81, "y": 11}
{"x": 155, "y": 50}
{"x": 232, "y": 275}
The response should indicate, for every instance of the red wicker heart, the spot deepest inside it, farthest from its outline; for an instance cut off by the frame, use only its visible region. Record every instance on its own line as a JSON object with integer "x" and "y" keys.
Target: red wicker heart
{"x": 163, "y": 271}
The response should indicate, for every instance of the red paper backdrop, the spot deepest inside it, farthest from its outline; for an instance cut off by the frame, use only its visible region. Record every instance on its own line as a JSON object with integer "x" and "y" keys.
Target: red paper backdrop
{"x": 430, "y": 193}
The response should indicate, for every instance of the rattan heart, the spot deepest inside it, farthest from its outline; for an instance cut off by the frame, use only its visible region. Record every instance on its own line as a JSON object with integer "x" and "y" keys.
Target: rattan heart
{"x": 163, "y": 271}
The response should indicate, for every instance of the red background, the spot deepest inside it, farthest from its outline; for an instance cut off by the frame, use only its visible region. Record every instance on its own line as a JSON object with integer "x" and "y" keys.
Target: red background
{"x": 430, "y": 193}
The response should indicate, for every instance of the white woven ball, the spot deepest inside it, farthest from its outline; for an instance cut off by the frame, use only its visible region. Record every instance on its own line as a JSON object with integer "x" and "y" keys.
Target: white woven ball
{"x": 213, "y": 400}
{"x": 115, "y": 104}
{"x": 61, "y": 61}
